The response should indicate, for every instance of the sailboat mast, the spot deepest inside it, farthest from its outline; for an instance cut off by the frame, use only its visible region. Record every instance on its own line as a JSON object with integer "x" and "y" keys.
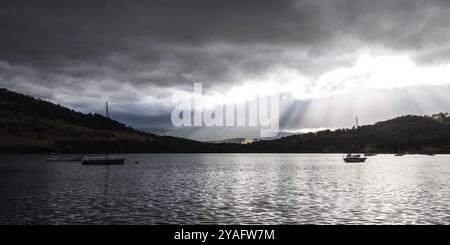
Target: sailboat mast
{"x": 356, "y": 133}
{"x": 107, "y": 131}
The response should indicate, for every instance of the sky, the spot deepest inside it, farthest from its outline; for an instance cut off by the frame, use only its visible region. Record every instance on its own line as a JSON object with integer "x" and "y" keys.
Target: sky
{"x": 329, "y": 61}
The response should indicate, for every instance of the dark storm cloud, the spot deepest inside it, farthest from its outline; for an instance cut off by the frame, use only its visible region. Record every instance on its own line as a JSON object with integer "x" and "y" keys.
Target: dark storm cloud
{"x": 75, "y": 52}
{"x": 169, "y": 37}
{"x": 166, "y": 37}
{"x": 80, "y": 30}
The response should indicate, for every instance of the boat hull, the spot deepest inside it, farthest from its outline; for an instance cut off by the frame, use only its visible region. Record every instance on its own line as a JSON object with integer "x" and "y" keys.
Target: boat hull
{"x": 103, "y": 161}
{"x": 355, "y": 159}
{"x": 58, "y": 158}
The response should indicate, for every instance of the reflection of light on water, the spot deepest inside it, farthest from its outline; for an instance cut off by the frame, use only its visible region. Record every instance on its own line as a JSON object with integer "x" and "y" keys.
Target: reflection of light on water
{"x": 229, "y": 189}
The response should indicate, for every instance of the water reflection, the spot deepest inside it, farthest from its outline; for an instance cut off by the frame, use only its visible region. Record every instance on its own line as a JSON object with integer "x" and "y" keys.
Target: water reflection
{"x": 227, "y": 189}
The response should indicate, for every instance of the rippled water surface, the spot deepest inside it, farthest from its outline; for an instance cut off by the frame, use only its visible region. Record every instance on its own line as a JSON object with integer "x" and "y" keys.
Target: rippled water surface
{"x": 227, "y": 189}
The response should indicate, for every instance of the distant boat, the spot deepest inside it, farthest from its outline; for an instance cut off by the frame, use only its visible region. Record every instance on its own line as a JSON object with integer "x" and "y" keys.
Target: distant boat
{"x": 103, "y": 160}
{"x": 57, "y": 157}
{"x": 350, "y": 157}
{"x": 354, "y": 158}
{"x": 428, "y": 151}
{"x": 400, "y": 153}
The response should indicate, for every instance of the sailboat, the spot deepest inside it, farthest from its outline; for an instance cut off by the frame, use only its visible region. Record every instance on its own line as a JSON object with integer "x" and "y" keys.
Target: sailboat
{"x": 350, "y": 157}
{"x": 400, "y": 153}
{"x": 56, "y": 157}
{"x": 103, "y": 160}
{"x": 428, "y": 151}
{"x": 59, "y": 157}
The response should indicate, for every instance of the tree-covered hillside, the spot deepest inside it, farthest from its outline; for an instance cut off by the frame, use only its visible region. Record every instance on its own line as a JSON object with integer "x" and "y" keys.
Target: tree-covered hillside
{"x": 28, "y": 124}
{"x": 413, "y": 134}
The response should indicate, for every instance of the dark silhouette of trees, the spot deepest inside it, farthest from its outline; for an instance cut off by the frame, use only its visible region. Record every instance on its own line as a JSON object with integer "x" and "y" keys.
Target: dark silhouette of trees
{"x": 41, "y": 126}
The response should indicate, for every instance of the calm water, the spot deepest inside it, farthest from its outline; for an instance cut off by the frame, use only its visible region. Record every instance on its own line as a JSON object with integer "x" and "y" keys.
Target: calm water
{"x": 227, "y": 189}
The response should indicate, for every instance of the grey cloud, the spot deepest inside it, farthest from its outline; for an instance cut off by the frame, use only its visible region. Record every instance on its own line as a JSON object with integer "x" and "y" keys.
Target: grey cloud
{"x": 80, "y": 52}
{"x": 169, "y": 38}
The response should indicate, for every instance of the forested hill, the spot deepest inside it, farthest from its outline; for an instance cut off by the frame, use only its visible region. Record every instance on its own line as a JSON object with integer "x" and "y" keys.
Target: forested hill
{"x": 407, "y": 134}
{"x": 16, "y": 104}
{"x": 28, "y": 124}
{"x": 31, "y": 125}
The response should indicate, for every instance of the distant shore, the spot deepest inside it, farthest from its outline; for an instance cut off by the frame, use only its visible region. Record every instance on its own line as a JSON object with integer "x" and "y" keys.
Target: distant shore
{"x": 30, "y": 125}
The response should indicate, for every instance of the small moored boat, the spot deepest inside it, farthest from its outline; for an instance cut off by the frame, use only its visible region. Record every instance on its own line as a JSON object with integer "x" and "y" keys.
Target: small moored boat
{"x": 400, "y": 153}
{"x": 56, "y": 157}
{"x": 103, "y": 160}
{"x": 350, "y": 157}
{"x": 354, "y": 158}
